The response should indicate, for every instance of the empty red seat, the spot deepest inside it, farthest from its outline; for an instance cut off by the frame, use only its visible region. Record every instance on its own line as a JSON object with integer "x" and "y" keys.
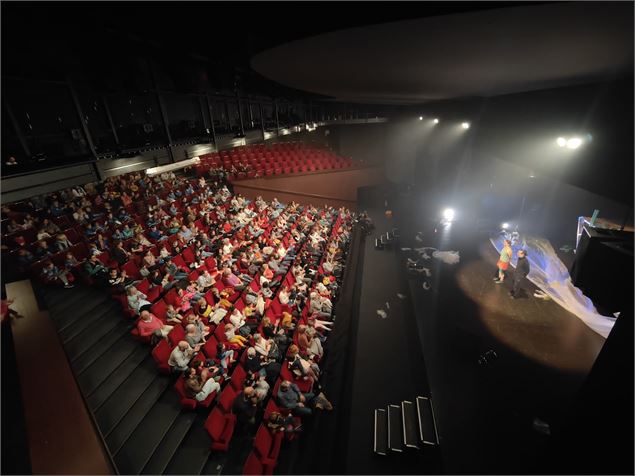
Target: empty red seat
{"x": 267, "y": 446}
{"x": 209, "y": 349}
{"x": 172, "y": 297}
{"x": 131, "y": 269}
{"x": 220, "y": 427}
{"x": 161, "y": 354}
{"x": 238, "y": 377}
{"x": 227, "y": 397}
{"x": 176, "y": 335}
{"x": 253, "y": 465}
{"x": 159, "y": 309}
{"x": 188, "y": 256}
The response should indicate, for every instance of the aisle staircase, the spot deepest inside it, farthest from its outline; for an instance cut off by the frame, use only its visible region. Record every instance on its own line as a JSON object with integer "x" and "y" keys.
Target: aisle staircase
{"x": 400, "y": 428}
{"x": 135, "y": 407}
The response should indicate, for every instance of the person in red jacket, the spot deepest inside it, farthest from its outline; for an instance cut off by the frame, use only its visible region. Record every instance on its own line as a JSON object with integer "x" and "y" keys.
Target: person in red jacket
{"x": 149, "y": 324}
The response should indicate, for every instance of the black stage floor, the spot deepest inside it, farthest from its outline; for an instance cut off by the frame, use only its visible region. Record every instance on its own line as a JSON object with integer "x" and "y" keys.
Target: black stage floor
{"x": 431, "y": 343}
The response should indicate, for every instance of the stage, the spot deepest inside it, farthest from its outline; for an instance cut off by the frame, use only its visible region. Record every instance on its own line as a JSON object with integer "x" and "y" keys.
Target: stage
{"x": 431, "y": 343}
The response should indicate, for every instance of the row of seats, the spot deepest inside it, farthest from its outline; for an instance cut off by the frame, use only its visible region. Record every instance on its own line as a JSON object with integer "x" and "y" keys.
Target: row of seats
{"x": 257, "y": 161}
{"x": 220, "y": 422}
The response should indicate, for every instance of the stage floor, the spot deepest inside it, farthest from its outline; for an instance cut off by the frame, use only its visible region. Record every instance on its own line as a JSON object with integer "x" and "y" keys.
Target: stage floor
{"x": 485, "y": 413}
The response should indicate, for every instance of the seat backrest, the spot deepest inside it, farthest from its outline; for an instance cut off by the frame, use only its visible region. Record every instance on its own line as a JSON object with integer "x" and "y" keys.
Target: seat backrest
{"x": 161, "y": 352}
{"x": 215, "y": 424}
{"x": 188, "y": 255}
{"x": 253, "y": 465}
{"x": 238, "y": 376}
{"x": 270, "y": 408}
{"x": 227, "y": 398}
{"x": 159, "y": 309}
{"x": 144, "y": 287}
{"x": 263, "y": 441}
{"x": 171, "y": 297}
{"x": 178, "y": 261}
{"x": 179, "y": 386}
{"x": 176, "y": 335}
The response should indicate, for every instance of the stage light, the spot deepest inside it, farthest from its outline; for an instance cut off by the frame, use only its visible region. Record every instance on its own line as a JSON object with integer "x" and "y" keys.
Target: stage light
{"x": 436, "y": 120}
{"x": 465, "y": 125}
{"x": 561, "y": 141}
{"x": 504, "y": 226}
{"x": 574, "y": 143}
{"x": 448, "y": 214}
{"x": 421, "y": 118}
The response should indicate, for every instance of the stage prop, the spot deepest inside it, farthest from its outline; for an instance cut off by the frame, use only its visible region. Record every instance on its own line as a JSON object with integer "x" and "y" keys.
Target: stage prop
{"x": 603, "y": 266}
{"x": 551, "y": 275}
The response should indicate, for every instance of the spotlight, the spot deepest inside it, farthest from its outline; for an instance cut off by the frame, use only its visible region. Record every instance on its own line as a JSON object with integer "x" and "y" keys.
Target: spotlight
{"x": 561, "y": 141}
{"x": 421, "y": 118}
{"x": 504, "y": 226}
{"x": 574, "y": 143}
{"x": 448, "y": 214}
{"x": 465, "y": 125}
{"x": 436, "y": 120}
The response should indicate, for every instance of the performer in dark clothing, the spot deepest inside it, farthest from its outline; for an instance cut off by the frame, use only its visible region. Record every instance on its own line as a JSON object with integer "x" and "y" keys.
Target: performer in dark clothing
{"x": 522, "y": 270}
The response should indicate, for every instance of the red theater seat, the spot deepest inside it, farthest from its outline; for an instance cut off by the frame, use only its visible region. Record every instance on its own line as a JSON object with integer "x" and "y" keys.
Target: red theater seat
{"x": 226, "y": 399}
{"x": 220, "y": 427}
{"x": 286, "y": 374}
{"x": 253, "y": 466}
{"x": 238, "y": 378}
{"x": 191, "y": 403}
{"x": 267, "y": 446}
{"x": 161, "y": 354}
{"x": 176, "y": 335}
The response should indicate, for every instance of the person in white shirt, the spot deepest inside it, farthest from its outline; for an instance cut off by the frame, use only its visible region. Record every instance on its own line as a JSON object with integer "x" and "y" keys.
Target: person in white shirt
{"x": 283, "y": 295}
{"x": 205, "y": 280}
{"x": 228, "y": 248}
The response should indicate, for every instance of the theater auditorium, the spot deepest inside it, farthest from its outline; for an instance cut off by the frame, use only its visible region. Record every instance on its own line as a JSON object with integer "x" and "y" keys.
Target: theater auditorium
{"x": 317, "y": 238}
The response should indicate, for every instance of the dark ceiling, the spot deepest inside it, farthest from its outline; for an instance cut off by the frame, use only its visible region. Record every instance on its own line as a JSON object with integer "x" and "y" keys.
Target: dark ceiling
{"x": 469, "y": 54}
{"x": 216, "y": 40}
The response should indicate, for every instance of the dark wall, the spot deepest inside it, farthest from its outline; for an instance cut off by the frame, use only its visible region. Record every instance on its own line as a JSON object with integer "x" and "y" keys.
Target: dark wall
{"x": 520, "y": 129}
{"x": 507, "y": 165}
{"x": 392, "y": 144}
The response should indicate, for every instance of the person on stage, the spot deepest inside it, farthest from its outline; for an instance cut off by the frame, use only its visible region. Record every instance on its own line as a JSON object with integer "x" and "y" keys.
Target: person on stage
{"x": 503, "y": 261}
{"x": 522, "y": 270}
